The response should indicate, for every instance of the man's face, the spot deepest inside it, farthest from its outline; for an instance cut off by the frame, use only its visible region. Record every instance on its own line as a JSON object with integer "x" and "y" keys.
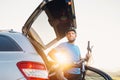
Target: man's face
{"x": 71, "y": 36}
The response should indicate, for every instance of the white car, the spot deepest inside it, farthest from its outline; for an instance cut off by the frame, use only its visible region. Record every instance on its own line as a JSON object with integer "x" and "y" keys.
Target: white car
{"x": 22, "y": 55}
{"x": 18, "y": 58}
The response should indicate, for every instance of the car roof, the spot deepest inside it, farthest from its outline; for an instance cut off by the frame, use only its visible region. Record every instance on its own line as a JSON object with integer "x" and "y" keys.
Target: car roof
{"x": 20, "y": 39}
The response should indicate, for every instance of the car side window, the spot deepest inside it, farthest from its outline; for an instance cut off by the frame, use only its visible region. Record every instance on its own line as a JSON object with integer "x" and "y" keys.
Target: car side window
{"x": 8, "y": 44}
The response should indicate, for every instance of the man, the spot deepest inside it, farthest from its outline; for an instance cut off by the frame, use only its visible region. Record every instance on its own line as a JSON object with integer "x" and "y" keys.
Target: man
{"x": 74, "y": 54}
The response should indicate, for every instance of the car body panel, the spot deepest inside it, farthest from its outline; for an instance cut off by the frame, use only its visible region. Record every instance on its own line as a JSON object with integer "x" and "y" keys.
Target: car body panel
{"x": 9, "y": 59}
{"x": 9, "y": 64}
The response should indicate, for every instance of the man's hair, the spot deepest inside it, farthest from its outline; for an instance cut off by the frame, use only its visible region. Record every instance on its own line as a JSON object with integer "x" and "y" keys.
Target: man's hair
{"x": 70, "y": 29}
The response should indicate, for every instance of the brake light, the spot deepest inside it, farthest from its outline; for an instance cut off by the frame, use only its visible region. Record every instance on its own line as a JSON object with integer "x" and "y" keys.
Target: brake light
{"x": 33, "y": 70}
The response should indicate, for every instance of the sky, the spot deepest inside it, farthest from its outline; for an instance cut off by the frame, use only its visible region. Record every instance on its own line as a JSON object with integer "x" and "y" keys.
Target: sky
{"x": 98, "y": 21}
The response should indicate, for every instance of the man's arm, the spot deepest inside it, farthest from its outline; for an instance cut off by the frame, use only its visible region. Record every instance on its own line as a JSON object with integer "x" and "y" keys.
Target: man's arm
{"x": 52, "y": 53}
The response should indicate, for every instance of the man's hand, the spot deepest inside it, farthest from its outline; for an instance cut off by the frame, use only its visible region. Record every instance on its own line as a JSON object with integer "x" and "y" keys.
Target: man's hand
{"x": 88, "y": 56}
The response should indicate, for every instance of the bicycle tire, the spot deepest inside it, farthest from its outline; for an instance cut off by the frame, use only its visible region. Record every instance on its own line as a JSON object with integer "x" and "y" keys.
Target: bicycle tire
{"x": 95, "y": 74}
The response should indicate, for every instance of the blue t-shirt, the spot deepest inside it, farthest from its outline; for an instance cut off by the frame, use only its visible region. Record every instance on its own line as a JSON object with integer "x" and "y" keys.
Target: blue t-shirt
{"x": 73, "y": 51}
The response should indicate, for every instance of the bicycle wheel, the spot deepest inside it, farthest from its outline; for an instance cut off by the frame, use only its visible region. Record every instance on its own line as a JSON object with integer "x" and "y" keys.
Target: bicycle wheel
{"x": 95, "y": 74}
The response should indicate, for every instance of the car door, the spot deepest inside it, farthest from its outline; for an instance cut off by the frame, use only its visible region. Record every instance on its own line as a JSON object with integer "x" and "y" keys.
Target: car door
{"x": 48, "y": 23}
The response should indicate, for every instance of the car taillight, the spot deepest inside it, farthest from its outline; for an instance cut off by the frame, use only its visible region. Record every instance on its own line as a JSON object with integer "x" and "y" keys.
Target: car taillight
{"x": 33, "y": 70}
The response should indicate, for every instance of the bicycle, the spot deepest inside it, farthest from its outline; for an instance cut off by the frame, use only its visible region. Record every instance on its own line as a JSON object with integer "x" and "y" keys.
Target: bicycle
{"x": 87, "y": 72}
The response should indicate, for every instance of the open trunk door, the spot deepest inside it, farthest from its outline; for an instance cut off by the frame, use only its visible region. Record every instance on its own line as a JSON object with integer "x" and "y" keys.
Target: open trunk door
{"x": 49, "y": 21}
{"x": 48, "y": 24}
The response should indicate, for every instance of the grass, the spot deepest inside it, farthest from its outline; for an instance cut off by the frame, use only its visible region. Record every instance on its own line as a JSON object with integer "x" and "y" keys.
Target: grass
{"x": 116, "y": 77}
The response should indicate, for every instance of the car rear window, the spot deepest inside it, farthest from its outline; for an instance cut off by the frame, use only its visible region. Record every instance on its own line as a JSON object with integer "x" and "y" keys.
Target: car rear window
{"x": 8, "y": 44}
